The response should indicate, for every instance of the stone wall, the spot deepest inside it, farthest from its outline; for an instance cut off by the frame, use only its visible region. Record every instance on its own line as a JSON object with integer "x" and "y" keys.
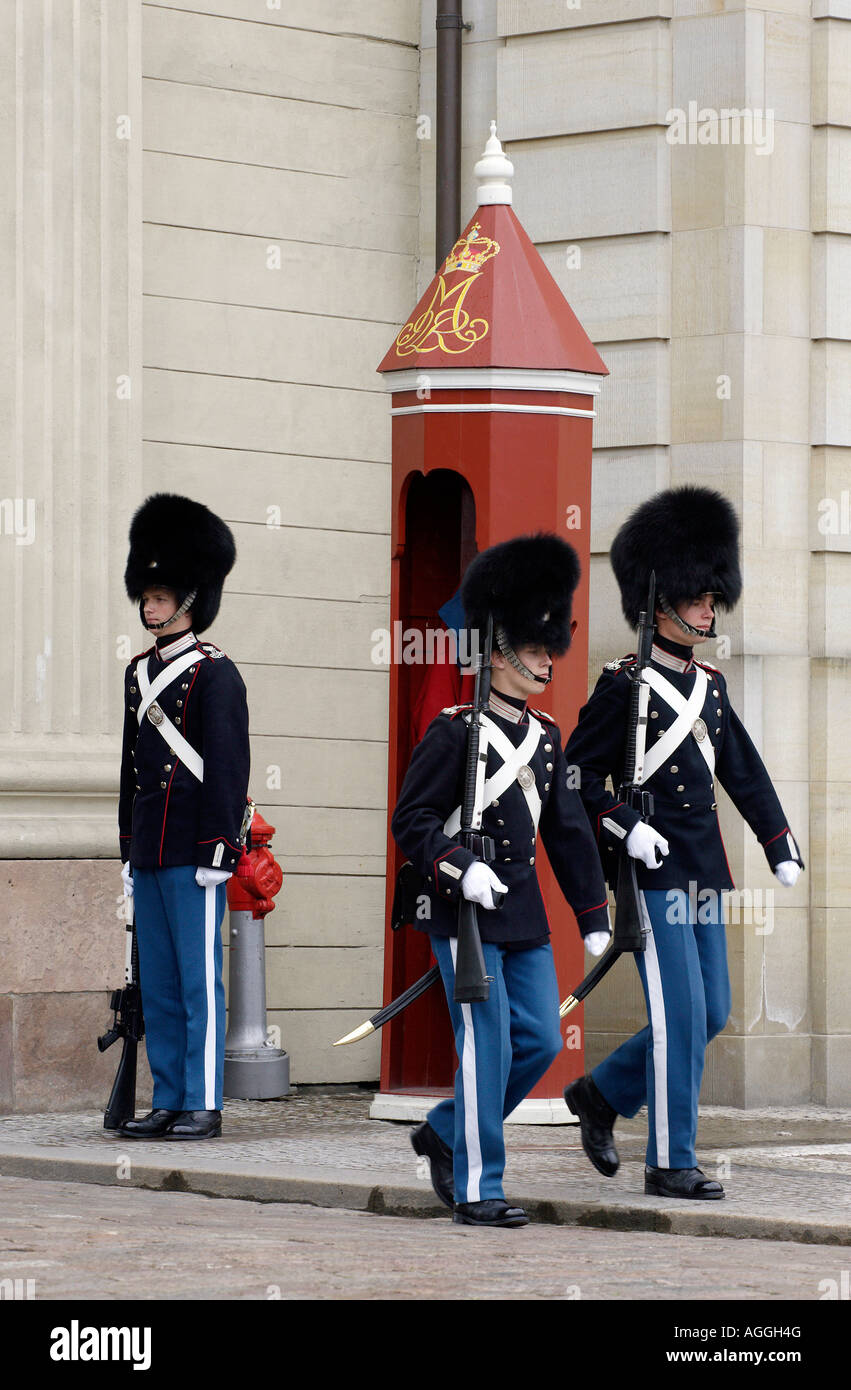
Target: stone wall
{"x": 244, "y": 257}
{"x": 713, "y": 277}
{"x": 70, "y": 400}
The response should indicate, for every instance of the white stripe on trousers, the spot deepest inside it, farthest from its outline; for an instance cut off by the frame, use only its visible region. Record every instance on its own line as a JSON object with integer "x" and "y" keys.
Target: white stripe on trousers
{"x": 467, "y": 1063}
{"x": 659, "y": 1028}
{"x": 210, "y": 981}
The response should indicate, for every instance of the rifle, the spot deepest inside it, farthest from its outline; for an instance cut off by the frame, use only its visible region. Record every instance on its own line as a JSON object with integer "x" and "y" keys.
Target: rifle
{"x": 127, "y": 1023}
{"x": 471, "y": 979}
{"x": 629, "y": 930}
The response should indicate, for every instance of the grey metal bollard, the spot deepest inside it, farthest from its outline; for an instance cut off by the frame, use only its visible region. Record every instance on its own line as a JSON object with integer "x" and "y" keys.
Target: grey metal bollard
{"x": 254, "y": 1068}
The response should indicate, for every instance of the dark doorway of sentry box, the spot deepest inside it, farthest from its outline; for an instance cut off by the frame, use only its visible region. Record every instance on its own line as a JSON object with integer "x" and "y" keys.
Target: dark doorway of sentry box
{"x": 436, "y": 530}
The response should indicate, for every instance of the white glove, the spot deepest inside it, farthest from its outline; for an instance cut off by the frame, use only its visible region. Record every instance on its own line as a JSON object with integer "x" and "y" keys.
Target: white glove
{"x": 208, "y": 878}
{"x": 127, "y": 879}
{"x": 787, "y": 872}
{"x": 641, "y": 844}
{"x": 596, "y": 942}
{"x": 479, "y": 885}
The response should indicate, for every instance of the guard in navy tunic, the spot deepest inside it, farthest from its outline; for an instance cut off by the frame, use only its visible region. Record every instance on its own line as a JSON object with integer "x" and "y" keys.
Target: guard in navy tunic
{"x": 184, "y": 784}
{"x": 694, "y": 739}
{"x": 506, "y": 1043}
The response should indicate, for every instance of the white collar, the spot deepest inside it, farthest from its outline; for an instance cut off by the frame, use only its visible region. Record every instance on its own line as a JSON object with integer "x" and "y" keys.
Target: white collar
{"x": 177, "y": 647}
{"x": 674, "y": 663}
{"x": 504, "y": 709}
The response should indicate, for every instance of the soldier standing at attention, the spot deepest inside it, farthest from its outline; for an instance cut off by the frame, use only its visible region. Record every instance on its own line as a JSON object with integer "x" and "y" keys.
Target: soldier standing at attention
{"x": 689, "y": 536}
{"x": 184, "y": 783}
{"x": 506, "y": 1043}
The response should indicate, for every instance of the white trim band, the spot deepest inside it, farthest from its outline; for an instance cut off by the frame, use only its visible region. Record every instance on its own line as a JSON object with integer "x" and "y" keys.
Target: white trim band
{"x": 492, "y": 378}
{"x": 472, "y": 408}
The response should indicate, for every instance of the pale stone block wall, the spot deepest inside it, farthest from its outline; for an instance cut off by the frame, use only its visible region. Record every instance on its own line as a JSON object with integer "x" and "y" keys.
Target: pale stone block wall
{"x": 259, "y": 279}
{"x": 713, "y": 279}
{"x": 830, "y": 542}
{"x": 70, "y": 398}
{"x": 280, "y": 231}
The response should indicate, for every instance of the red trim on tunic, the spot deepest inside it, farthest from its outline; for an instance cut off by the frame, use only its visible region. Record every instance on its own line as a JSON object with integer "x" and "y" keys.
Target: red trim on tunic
{"x": 165, "y": 811}
{"x": 608, "y": 813}
{"x": 784, "y": 831}
{"x": 595, "y": 908}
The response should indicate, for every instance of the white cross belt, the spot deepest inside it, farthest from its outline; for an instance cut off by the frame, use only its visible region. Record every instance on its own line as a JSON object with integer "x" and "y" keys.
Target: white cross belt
{"x": 687, "y": 711}
{"x": 506, "y": 775}
{"x": 183, "y": 749}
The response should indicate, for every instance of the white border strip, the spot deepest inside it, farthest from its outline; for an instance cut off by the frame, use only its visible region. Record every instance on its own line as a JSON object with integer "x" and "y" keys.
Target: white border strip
{"x": 471, "y": 1097}
{"x": 394, "y": 1105}
{"x": 659, "y": 1030}
{"x": 490, "y": 378}
{"x": 472, "y": 408}
{"x": 210, "y": 982}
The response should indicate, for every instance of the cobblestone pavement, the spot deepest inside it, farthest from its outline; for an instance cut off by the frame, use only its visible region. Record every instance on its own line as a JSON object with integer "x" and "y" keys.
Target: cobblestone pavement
{"x": 82, "y": 1242}
{"x": 786, "y": 1172}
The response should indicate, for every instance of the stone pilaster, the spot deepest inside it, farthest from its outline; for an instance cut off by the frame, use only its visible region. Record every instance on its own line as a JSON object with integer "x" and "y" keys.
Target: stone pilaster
{"x": 70, "y": 388}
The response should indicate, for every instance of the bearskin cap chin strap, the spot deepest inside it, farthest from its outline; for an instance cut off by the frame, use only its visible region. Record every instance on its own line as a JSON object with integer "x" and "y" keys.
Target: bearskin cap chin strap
{"x": 681, "y": 622}
{"x": 160, "y": 627}
{"x": 511, "y": 656}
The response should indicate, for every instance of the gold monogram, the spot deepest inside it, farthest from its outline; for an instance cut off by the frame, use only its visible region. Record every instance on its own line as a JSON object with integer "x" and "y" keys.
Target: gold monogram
{"x": 444, "y": 323}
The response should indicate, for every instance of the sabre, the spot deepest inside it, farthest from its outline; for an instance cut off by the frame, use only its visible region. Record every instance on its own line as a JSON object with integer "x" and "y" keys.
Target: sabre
{"x": 393, "y": 1008}
{"x": 629, "y": 930}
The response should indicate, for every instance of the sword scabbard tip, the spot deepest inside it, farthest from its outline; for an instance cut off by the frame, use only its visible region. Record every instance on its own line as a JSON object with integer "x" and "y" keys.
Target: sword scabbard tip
{"x": 568, "y": 1006}
{"x": 355, "y": 1036}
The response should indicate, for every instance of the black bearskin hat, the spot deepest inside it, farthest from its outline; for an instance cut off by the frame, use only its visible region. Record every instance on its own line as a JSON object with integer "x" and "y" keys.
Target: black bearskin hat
{"x": 528, "y": 585}
{"x": 182, "y": 545}
{"x": 690, "y": 537}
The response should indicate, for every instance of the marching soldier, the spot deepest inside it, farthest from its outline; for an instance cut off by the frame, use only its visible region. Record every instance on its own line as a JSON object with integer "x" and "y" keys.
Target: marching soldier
{"x": 689, "y": 536}
{"x": 184, "y": 782}
{"x": 506, "y": 1043}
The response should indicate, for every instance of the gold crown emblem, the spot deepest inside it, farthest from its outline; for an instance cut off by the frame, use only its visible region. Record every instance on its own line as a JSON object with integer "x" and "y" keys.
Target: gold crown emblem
{"x": 471, "y": 252}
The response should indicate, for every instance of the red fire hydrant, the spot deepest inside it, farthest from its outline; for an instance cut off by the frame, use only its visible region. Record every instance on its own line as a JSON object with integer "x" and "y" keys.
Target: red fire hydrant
{"x": 258, "y": 875}
{"x": 255, "y": 1067}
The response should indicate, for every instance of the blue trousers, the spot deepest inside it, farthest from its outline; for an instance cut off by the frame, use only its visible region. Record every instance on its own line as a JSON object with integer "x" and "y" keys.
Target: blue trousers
{"x": 504, "y": 1045}
{"x": 687, "y": 990}
{"x": 178, "y": 928}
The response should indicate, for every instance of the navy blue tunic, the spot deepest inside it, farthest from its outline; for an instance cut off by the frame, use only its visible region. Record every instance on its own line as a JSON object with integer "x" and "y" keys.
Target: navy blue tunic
{"x": 683, "y": 788}
{"x": 433, "y": 789}
{"x": 166, "y": 817}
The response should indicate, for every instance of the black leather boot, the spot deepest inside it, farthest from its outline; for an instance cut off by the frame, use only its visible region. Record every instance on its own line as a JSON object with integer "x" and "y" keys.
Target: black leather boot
{"x": 681, "y": 1182}
{"x": 196, "y": 1124}
{"x": 596, "y": 1118}
{"x": 428, "y": 1144}
{"x": 493, "y": 1212}
{"x": 153, "y": 1126}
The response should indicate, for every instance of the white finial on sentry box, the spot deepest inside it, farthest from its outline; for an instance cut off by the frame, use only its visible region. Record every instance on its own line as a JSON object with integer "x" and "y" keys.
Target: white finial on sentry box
{"x": 494, "y": 172}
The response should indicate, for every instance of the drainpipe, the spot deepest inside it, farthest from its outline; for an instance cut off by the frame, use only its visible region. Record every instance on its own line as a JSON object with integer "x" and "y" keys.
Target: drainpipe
{"x": 449, "y": 25}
